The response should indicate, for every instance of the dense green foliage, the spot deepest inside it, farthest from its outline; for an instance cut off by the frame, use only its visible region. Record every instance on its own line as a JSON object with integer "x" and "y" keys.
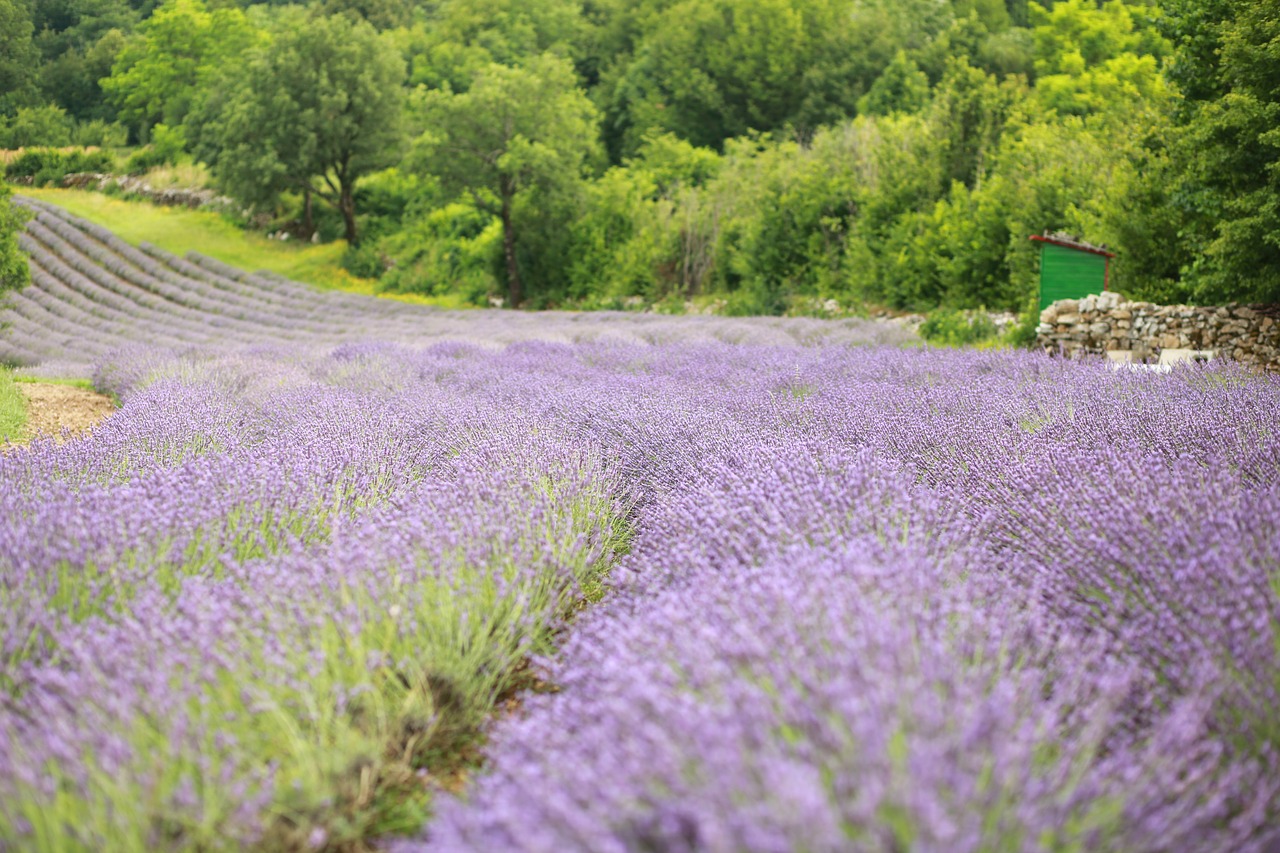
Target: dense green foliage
{"x": 513, "y": 142}
{"x": 802, "y": 156}
{"x": 49, "y": 165}
{"x": 314, "y": 109}
{"x": 13, "y": 264}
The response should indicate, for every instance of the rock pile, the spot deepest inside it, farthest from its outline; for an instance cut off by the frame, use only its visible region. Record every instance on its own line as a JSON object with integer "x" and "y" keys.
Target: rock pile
{"x": 1107, "y": 322}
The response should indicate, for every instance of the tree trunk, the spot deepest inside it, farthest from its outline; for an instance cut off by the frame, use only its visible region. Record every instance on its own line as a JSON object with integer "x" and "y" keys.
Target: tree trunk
{"x": 515, "y": 292}
{"x": 347, "y": 204}
{"x": 308, "y": 218}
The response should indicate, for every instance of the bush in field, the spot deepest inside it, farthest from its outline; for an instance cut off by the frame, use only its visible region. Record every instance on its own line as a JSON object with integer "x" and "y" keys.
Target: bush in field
{"x": 453, "y": 249}
{"x": 166, "y": 146}
{"x": 36, "y": 126}
{"x": 957, "y": 328}
{"x": 49, "y": 166}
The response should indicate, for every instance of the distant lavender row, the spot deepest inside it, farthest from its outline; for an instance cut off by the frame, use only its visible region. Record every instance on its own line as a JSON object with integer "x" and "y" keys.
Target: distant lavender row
{"x": 917, "y": 601}
{"x": 92, "y": 292}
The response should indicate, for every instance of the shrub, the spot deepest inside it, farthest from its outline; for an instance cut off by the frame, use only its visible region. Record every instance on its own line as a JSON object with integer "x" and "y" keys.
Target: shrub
{"x": 950, "y": 328}
{"x": 364, "y": 261}
{"x": 47, "y": 125}
{"x": 101, "y": 134}
{"x": 455, "y": 249}
{"x": 167, "y": 144}
{"x": 49, "y": 166}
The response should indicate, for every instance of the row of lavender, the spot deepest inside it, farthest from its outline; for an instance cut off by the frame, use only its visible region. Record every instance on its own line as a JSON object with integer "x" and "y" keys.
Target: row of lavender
{"x": 92, "y": 292}
{"x": 272, "y": 589}
{"x": 916, "y": 601}
{"x": 874, "y": 599}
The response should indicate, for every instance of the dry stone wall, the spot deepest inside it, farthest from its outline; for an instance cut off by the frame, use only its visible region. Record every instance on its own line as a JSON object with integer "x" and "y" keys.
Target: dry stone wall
{"x": 1108, "y": 323}
{"x": 134, "y": 186}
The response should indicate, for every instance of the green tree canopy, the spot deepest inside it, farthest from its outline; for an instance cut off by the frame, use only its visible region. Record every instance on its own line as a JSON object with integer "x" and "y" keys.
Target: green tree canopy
{"x": 1229, "y": 58}
{"x": 312, "y": 111}
{"x": 63, "y": 25}
{"x": 18, "y": 55}
{"x": 461, "y": 37}
{"x": 710, "y": 70}
{"x": 1093, "y": 59}
{"x": 163, "y": 71}
{"x": 517, "y": 131}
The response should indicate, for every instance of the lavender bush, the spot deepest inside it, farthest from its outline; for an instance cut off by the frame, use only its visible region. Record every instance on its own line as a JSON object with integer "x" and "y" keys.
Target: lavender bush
{"x": 933, "y": 605}
{"x": 862, "y": 598}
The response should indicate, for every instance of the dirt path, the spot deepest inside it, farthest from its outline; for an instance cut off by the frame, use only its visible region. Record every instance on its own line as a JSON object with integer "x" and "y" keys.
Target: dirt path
{"x": 51, "y": 407}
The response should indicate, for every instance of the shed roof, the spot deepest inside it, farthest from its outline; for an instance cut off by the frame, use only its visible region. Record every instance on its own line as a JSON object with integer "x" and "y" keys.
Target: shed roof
{"x": 1061, "y": 238}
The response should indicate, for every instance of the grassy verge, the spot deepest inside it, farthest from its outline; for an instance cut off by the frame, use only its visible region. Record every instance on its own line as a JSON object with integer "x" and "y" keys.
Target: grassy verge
{"x": 71, "y": 381}
{"x": 13, "y": 409}
{"x": 179, "y": 230}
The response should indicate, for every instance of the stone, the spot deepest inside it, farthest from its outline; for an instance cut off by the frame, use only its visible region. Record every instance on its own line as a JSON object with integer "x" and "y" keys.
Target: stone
{"x": 1107, "y": 323}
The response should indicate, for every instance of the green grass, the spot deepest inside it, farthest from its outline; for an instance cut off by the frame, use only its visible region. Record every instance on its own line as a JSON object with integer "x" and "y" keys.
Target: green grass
{"x": 13, "y": 409}
{"x": 72, "y": 381}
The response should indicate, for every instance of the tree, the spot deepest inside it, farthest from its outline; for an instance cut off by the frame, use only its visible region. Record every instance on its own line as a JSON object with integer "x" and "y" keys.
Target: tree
{"x": 161, "y": 73}
{"x": 80, "y": 40}
{"x": 13, "y": 263}
{"x": 313, "y": 111}
{"x": 902, "y": 88}
{"x": 18, "y": 55}
{"x": 1229, "y": 66}
{"x": 463, "y": 36}
{"x": 1093, "y": 59}
{"x": 382, "y": 14}
{"x": 710, "y": 70}
{"x": 517, "y": 132}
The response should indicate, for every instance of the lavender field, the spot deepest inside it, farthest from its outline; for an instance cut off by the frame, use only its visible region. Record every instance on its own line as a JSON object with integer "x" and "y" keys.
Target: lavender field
{"x": 774, "y": 589}
{"x": 92, "y": 293}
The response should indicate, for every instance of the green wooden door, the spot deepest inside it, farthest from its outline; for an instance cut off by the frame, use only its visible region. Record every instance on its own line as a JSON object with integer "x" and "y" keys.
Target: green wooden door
{"x": 1069, "y": 273}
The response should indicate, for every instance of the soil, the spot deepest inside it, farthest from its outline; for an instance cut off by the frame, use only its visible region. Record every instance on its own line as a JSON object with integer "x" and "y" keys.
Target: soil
{"x": 51, "y": 408}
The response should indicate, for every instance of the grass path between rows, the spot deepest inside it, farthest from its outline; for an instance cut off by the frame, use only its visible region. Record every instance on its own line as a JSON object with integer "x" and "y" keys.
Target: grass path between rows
{"x": 13, "y": 409}
{"x": 35, "y": 406}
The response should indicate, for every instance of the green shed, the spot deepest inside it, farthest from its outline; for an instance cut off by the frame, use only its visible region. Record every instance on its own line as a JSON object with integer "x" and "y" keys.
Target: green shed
{"x": 1071, "y": 268}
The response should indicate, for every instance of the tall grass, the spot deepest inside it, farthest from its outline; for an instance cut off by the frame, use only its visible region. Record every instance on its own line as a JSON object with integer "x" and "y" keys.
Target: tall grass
{"x": 13, "y": 409}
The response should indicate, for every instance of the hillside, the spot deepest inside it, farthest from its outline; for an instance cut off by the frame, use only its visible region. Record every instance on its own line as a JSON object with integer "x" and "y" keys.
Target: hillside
{"x": 799, "y": 157}
{"x": 92, "y": 292}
